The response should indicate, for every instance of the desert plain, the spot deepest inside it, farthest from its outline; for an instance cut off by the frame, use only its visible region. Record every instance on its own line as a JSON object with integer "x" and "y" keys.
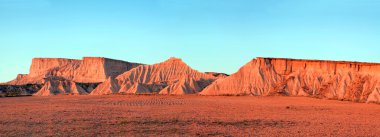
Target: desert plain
{"x": 191, "y": 115}
{"x": 96, "y": 96}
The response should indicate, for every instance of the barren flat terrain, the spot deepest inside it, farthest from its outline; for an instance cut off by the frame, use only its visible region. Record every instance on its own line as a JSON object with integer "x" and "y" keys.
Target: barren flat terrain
{"x": 123, "y": 115}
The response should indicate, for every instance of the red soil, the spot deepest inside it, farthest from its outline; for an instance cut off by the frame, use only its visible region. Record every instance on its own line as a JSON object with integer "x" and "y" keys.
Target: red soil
{"x": 123, "y": 115}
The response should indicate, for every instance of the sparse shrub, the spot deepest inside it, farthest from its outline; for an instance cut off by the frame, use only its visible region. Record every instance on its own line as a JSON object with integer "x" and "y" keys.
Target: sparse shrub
{"x": 13, "y": 93}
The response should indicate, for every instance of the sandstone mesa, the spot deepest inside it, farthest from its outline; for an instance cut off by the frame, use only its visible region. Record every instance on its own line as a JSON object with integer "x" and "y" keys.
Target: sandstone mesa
{"x": 353, "y": 81}
{"x": 88, "y": 70}
{"x": 70, "y": 76}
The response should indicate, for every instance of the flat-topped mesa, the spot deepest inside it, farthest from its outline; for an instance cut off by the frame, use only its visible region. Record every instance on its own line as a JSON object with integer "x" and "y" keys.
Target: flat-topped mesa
{"x": 154, "y": 77}
{"x": 285, "y": 66}
{"x": 40, "y": 66}
{"x": 98, "y": 69}
{"x": 87, "y": 70}
{"x": 47, "y": 67}
{"x": 327, "y": 79}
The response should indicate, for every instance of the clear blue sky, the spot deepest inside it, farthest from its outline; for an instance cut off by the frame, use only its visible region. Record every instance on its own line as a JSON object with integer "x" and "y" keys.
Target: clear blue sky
{"x": 210, "y": 35}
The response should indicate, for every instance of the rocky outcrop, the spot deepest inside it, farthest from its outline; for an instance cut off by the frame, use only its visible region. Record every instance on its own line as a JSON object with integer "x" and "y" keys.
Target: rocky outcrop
{"x": 95, "y": 69}
{"x": 341, "y": 80}
{"x": 54, "y": 86}
{"x": 46, "y": 67}
{"x": 64, "y": 75}
{"x": 88, "y": 70}
{"x": 155, "y": 77}
{"x": 325, "y": 79}
{"x": 53, "y": 66}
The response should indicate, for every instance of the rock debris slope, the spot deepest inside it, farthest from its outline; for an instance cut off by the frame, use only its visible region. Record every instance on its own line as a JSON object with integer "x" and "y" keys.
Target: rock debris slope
{"x": 154, "y": 78}
{"x": 325, "y": 79}
{"x": 60, "y": 87}
{"x": 185, "y": 85}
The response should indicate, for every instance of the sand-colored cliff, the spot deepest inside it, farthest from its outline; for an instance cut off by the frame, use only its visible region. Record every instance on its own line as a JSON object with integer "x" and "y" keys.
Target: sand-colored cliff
{"x": 88, "y": 70}
{"x": 326, "y": 79}
{"x": 46, "y": 67}
{"x": 95, "y": 69}
{"x": 155, "y": 78}
{"x": 354, "y": 81}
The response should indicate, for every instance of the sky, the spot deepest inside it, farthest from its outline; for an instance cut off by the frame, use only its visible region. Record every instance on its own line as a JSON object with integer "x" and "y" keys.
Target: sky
{"x": 209, "y": 35}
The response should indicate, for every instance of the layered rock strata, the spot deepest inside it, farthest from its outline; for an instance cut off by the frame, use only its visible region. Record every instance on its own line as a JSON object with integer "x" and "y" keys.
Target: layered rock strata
{"x": 154, "y": 78}
{"x": 326, "y": 79}
{"x": 88, "y": 70}
{"x": 62, "y": 76}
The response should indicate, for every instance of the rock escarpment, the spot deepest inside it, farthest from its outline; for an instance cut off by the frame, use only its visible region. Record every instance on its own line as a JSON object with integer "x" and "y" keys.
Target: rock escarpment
{"x": 154, "y": 78}
{"x": 47, "y": 67}
{"x": 341, "y": 80}
{"x": 95, "y": 70}
{"x": 88, "y": 70}
{"x": 62, "y": 73}
{"x": 326, "y": 79}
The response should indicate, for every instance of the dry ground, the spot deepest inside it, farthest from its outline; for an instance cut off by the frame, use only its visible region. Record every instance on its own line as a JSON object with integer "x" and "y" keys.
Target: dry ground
{"x": 125, "y": 115}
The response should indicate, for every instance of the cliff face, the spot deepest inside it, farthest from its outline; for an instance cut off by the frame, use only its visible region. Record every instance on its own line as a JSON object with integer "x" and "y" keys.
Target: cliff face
{"x": 95, "y": 70}
{"x": 341, "y": 80}
{"x": 51, "y": 66}
{"x": 154, "y": 78}
{"x": 47, "y": 67}
{"x": 326, "y": 79}
{"x": 88, "y": 70}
